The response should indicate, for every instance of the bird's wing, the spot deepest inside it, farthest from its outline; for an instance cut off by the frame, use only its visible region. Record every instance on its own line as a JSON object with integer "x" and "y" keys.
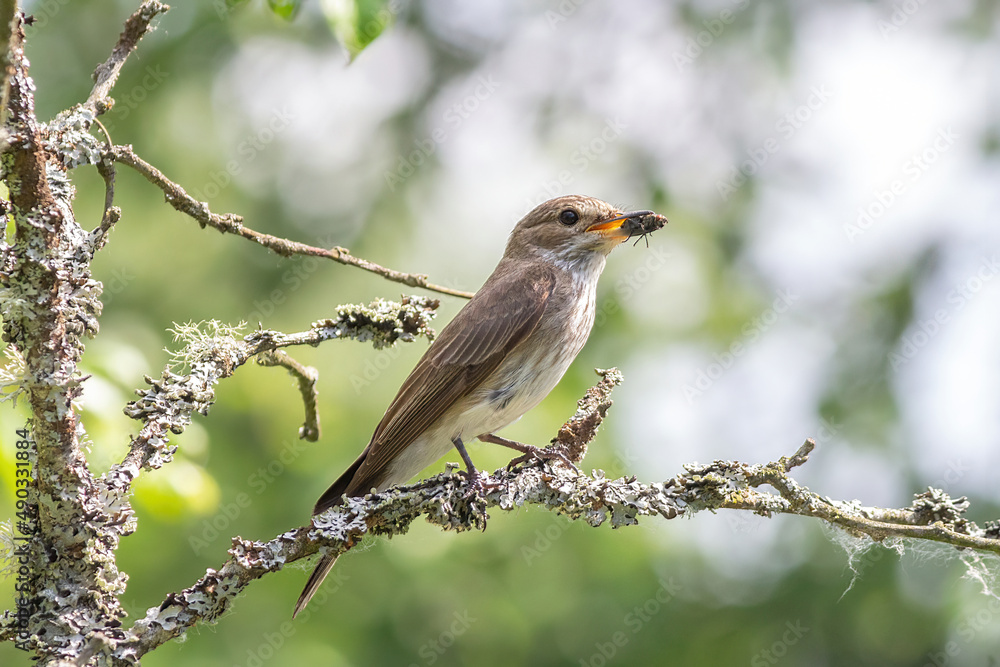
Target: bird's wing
{"x": 501, "y": 315}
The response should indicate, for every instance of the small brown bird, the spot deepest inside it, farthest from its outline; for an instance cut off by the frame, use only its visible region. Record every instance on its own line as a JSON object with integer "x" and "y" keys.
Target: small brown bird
{"x": 500, "y": 355}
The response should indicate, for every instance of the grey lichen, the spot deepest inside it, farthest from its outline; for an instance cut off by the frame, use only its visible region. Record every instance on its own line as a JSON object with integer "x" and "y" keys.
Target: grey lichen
{"x": 69, "y": 140}
{"x": 382, "y": 322}
{"x": 934, "y": 505}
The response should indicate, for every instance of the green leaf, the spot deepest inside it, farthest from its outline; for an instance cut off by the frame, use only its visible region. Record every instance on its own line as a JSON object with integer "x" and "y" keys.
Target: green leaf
{"x": 356, "y": 23}
{"x": 286, "y": 9}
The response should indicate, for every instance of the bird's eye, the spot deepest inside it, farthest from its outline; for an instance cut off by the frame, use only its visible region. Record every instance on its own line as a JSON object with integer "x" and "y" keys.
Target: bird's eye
{"x": 569, "y": 217}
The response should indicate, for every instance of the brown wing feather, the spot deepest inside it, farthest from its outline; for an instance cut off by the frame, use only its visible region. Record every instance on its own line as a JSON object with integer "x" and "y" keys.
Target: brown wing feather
{"x": 501, "y": 315}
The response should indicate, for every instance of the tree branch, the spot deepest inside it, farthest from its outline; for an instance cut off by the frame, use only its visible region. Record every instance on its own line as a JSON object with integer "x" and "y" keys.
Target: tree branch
{"x": 107, "y": 72}
{"x": 231, "y": 223}
{"x": 933, "y": 516}
{"x": 112, "y": 214}
{"x": 443, "y": 500}
{"x": 49, "y": 304}
{"x": 212, "y": 353}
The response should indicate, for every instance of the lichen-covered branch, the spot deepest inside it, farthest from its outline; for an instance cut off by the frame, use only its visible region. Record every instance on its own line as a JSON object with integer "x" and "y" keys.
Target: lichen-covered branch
{"x": 49, "y": 303}
{"x": 112, "y": 214}
{"x": 443, "y": 500}
{"x": 933, "y": 515}
{"x": 230, "y": 223}
{"x": 580, "y": 429}
{"x": 213, "y": 352}
{"x": 107, "y": 72}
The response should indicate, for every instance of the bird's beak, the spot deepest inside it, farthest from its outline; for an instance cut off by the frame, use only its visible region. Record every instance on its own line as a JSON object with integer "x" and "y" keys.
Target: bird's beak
{"x": 625, "y": 225}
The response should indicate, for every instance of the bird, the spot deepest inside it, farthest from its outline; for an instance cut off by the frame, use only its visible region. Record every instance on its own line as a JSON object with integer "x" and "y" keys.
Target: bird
{"x": 503, "y": 352}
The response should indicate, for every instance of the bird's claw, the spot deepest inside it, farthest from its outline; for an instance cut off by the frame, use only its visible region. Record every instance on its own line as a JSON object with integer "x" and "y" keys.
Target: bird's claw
{"x": 478, "y": 484}
{"x": 539, "y": 454}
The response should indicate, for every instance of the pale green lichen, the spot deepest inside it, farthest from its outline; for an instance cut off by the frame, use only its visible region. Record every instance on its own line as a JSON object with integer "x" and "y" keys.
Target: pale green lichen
{"x": 202, "y": 341}
{"x": 8, "y": 563}
{"x": 12, "y": 375}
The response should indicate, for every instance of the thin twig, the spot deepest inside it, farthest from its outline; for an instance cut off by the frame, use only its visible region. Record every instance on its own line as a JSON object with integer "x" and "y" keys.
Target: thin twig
{"x": 800, "y": 457}
{"x": 107, "y": 72}
{"x": 231, "y": 223}
{"x": 112, "y": 214}
{"x": 307, "y": 377}
{"x": 733, "y": 485}
{"x": 875, "y": 522}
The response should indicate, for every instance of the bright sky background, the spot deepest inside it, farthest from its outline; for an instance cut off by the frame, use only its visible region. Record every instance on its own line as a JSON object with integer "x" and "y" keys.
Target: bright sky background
{"x": 875, "y": 109}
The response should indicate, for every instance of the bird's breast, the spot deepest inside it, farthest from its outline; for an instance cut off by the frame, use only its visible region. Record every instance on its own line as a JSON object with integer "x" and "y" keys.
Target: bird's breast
{"x": 534, "y": 367}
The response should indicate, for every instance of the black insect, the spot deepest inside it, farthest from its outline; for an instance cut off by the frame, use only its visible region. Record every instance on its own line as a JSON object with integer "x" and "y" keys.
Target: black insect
{"x": 642, "y": 223}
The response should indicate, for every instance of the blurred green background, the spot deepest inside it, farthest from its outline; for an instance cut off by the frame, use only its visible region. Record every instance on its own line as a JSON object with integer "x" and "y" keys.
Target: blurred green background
{"x": 830, "y": 172}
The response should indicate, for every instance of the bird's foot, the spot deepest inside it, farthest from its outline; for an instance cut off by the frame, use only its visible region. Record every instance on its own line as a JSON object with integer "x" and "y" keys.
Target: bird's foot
{"x": 478, "y": 484}
{"x": 539, "y": 454}
{"x": 529, "y": 452}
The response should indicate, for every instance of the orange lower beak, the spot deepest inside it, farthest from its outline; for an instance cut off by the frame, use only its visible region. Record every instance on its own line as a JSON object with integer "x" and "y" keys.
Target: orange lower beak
{"x": 613, "y": 228}
{"x": 608, "y": 225}
{"x": 610, "y": 229}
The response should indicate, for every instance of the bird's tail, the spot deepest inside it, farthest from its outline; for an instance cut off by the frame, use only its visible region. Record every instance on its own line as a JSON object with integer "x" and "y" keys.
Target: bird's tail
{"x": 319, "y": 574}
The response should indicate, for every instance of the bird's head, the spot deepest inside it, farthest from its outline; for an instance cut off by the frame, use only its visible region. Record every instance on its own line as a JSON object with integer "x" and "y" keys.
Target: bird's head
{"x": 575, "y": 228}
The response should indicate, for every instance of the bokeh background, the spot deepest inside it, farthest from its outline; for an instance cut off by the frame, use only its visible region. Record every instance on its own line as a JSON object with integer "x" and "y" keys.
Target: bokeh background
{"x": 831, "y": 174}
